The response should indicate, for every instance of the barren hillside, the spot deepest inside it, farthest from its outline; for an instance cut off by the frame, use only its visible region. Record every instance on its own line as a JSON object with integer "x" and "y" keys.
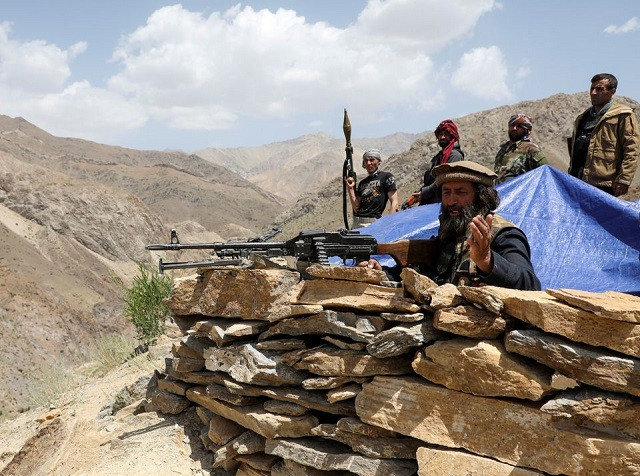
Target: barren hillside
{"x": 481, "y": 134}
{"x": 174, "y": 185}
{"x": 66, "y": 247}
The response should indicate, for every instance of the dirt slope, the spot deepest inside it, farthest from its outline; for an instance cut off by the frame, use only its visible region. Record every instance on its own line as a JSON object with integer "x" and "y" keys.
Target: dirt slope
{"x": 82, "y": 437}
{"x": 174, "y": 185}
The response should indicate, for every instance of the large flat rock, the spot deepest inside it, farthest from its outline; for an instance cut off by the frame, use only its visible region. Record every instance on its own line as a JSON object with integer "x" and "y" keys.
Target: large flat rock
{"x": 401, "y": 339}
{"x": 594, "y": 366}
{"x": 469, "y": 321}
{"x": 514, "y": 433}
{"x": 328, "y": 456}
{"x": 345, "y": 324}
{"x": 224, "y": 331}
{"x": 262, "y": 294}
{"x": 354, "y": 295}
{"x": 552, "y": 315}
{"x": 222, "y": 430}
{"x": 483, "y": 368}
{"x": 614, "y": 413}
{"x": 332, "y": 362}
{"x": 417, "y": 285}
{"x": 347, "y": 273}
{"x": 287, "y": 467}
{"x": 191, "y": 347}
{"x": 398, "y": 447}
{"x": 440, "y": 462}
{"x": 307, "y": 398}
{"x": 247, "y": 364}
{"x": 609, "y": 304}
{"x": 255, "y": 417}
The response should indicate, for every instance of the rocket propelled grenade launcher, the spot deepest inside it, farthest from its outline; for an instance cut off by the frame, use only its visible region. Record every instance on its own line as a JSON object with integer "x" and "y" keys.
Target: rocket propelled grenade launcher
{"x": 347, "y": 166}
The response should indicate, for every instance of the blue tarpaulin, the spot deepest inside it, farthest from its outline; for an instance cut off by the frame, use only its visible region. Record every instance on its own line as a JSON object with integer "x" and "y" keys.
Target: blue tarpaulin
{"x": 580, "y": 237}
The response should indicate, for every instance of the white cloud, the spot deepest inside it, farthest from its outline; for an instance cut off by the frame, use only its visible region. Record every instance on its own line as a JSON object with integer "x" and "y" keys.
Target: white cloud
{"x": 34, "y": 84}
{"x": 482, "y": 72}
{"x": 265, "y": 64}
{"x": 79, "y": 110}
{"x": 626, "y": 27}
{"x": 428, "y": 24}
{"x": 34, "y": 66}
{"x": 187, "y": 70}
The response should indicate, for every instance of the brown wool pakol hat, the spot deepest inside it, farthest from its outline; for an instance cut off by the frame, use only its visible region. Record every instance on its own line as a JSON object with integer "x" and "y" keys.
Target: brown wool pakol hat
{"x": 463, "y": 171}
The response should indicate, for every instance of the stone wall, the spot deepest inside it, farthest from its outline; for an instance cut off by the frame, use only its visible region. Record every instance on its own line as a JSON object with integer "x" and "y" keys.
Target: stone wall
{"x": 338, "y": 374}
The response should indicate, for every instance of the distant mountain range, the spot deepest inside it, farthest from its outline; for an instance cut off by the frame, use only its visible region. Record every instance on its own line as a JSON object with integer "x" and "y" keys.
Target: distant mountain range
{"x": 291, "y": 168}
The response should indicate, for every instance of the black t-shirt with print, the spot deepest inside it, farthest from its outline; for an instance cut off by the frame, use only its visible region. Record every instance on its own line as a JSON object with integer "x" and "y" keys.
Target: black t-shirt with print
{"x": 373, "y": 191}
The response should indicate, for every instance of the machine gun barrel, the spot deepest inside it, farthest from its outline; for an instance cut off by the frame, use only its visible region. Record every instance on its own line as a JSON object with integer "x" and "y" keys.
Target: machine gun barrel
{"x": 162, "y": 266}
{"x": 217, "y": 246}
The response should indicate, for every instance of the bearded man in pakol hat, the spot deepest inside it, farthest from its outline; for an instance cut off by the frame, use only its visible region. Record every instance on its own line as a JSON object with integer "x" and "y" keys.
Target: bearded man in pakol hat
{"x": 475, "y": 245}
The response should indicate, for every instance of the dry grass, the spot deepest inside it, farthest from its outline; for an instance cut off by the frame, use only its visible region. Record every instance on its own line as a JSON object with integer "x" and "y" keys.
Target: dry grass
{"x": 106, "y": 354}
{"x": 51, "y": 384}
{"x": 110, "y": 351}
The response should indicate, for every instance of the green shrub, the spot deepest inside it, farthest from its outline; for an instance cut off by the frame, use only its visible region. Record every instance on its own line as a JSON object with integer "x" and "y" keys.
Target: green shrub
{"x": 143, "y": 303}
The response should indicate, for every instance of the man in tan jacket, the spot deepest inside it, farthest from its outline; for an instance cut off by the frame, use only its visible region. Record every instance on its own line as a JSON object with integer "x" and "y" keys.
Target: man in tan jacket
{"x": 605, "y": 144}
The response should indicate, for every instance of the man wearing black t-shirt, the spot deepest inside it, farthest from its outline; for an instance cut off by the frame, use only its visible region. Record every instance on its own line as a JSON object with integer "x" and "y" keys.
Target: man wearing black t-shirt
{"x": 369, "y": 198}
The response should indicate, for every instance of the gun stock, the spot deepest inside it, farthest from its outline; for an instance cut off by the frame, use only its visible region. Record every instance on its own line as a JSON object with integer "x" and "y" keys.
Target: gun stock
{"x": 406, "y": 252}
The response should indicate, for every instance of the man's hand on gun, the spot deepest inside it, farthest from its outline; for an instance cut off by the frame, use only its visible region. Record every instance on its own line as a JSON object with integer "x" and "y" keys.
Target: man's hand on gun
{"x": 351, "y": 183}
{"x": 371, "y": 264}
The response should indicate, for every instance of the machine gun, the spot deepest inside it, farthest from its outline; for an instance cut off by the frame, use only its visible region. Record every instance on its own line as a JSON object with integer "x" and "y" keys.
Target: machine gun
{"x": 315, "y": 246}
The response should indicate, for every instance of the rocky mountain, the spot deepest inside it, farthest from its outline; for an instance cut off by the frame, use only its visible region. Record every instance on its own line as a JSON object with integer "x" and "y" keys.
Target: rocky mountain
{"x": 481, "y": 134}
{"x": 173, "y": 185}
{"x": 74, "y": 218}
{"x": 288, "y": 169}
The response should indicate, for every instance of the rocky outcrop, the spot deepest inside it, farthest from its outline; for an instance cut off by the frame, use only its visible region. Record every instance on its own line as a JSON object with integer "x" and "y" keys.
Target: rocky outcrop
{"x": 339, "y": 374}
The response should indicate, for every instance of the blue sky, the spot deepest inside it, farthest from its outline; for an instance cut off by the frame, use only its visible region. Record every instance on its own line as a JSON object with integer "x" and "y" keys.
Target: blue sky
{"x": 150, "y": 74}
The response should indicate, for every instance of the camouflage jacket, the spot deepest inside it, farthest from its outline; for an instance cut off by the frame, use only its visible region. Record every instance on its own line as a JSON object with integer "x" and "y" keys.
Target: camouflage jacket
{"x": 516, "y": 158}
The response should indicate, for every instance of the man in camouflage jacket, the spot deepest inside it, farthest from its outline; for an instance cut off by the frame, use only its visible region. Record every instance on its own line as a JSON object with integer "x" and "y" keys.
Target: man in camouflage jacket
{"x": 518, "y": 155}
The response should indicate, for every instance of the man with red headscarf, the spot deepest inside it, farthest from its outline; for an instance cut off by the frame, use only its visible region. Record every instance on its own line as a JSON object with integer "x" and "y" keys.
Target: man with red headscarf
{"x": 448, "y": 137}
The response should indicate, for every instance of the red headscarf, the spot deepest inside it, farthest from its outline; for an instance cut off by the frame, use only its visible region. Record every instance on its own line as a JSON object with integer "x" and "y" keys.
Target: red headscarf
{"x": 448, "y": 126}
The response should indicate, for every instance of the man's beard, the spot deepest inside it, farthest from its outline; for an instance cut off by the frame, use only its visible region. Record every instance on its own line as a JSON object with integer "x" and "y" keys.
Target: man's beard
{"x": 453, "y": 227}
{"x": 516, "y": 136}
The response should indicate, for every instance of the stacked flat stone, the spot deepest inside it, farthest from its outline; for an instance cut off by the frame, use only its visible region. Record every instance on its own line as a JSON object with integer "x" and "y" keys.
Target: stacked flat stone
{"x": 340, "y": 375}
